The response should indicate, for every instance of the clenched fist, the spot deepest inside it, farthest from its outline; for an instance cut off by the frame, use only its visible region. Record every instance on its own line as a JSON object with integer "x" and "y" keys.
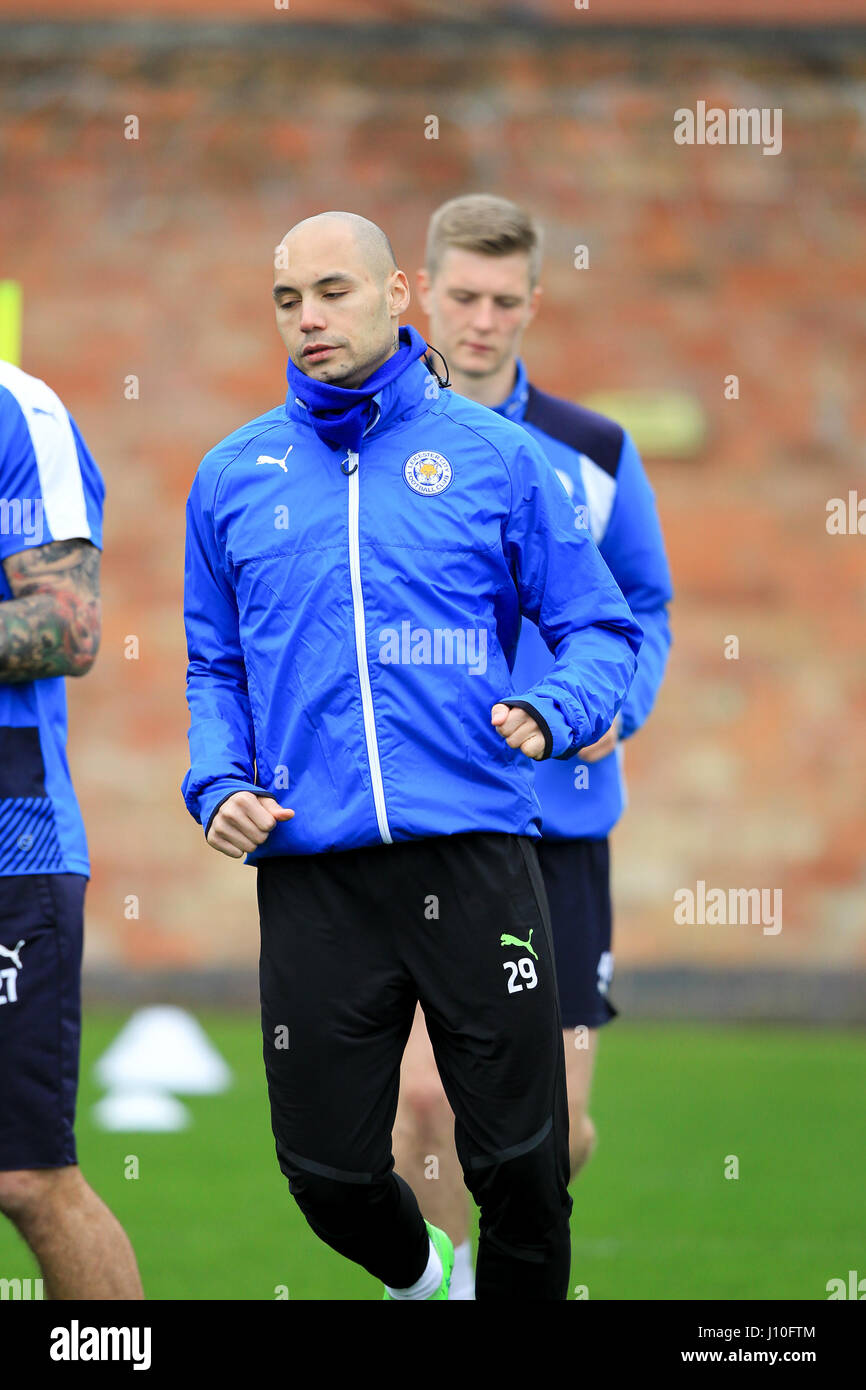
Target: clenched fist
{"x": 243, "y": 822}
{"x": 519, "y": 730}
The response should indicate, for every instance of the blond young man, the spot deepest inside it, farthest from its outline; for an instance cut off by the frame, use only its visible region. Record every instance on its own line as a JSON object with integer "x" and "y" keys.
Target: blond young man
{"x": 480, "y": 289}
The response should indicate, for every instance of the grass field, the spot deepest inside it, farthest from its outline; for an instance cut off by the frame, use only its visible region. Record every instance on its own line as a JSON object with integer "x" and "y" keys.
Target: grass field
{"x": 654, "y": 1216}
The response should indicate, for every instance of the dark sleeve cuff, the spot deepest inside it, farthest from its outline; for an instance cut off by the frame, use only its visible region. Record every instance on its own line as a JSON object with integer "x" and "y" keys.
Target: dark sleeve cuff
{"x": 263, "y": 792}
{"x": 540, "y": 721}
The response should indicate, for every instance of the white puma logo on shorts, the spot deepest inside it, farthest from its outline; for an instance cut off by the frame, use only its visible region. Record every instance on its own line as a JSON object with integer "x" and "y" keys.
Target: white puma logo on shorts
{"x": 13, "y": 953}
{"x": 9, "y": 976}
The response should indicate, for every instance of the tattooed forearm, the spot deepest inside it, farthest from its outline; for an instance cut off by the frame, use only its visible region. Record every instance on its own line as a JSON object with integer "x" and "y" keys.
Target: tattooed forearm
{"x": 51, "y": 625}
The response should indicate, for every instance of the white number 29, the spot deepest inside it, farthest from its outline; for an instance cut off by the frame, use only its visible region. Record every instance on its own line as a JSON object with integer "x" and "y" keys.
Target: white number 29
{"x": 524, "y": 967}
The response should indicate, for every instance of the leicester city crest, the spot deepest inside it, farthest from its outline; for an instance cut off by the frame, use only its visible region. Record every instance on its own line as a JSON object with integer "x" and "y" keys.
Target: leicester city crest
{"x": 427, "y": 473}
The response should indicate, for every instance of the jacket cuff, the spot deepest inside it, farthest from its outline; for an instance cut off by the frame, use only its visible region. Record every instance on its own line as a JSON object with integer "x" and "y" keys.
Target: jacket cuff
{"x": 623, "y": 724}
{"x": 540, "y": 721}
{"x": 628, "y": 724}
{"x": 219, "y": 793}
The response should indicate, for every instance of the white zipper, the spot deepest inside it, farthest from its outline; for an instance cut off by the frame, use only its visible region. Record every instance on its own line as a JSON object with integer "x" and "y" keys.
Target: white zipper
{"x": 361, "y": 650}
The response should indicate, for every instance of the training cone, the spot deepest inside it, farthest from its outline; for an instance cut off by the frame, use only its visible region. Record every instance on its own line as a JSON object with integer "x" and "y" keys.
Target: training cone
{"x": 128, "y": 1111}
{"x": 163, "y": 1049}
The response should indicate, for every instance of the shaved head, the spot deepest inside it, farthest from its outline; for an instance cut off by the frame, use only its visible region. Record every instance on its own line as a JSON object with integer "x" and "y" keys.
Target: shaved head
{"x": 338, "y": 295}
{"x": 375, "y": 248}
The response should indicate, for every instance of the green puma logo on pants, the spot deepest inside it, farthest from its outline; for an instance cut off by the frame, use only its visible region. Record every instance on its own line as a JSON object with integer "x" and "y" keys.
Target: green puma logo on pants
{"x": 506, "y": 940}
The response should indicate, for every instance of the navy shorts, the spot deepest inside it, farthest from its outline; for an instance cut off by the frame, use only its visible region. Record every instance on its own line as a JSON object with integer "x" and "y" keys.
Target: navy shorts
{"x": 41, "y": 933}
{"x": 577, "y": 879}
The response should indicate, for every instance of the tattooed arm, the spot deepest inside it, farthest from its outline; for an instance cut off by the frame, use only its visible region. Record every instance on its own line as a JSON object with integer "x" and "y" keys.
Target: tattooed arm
{"x": 51, "y": 625}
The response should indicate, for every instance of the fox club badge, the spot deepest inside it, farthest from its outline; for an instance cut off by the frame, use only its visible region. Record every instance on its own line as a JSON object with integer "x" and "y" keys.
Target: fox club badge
{"x": 427, "y": 473}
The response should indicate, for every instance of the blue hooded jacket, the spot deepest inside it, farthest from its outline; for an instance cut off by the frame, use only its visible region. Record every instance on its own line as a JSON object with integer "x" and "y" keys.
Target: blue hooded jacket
{"x": 352, "y": 618}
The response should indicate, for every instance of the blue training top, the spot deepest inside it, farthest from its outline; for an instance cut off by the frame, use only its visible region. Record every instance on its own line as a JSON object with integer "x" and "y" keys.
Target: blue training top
{"x": 50, "y": 490}
{"x": 601, "y": 471}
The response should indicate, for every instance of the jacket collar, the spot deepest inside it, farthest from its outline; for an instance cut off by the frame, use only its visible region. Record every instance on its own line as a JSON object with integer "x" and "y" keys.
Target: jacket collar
{"x": 408, "y": 395}
{"x": 514, "y": 405}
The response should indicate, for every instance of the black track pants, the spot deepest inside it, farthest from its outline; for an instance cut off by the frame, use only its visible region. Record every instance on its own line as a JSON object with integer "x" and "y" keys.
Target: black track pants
{"x": 350, "y": 941}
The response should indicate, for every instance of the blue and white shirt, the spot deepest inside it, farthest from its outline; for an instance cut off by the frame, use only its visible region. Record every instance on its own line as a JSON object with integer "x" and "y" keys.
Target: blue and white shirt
{"x": 600, "y": 469}
{"x": 50, "y": 490}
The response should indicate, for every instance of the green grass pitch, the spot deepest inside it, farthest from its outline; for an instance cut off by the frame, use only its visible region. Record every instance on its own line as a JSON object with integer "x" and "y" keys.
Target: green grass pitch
{"x": 654, "y": 1215}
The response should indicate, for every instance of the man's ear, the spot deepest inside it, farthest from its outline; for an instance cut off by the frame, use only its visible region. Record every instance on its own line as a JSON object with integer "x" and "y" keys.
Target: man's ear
{"x": 534, "y": 301}
{"x": 398, "y": 294}
{"x": 425, "y": 290}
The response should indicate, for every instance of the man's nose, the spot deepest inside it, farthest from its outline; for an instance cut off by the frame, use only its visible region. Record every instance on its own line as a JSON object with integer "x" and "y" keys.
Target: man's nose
{"x": 483, "y": 319}
{"x": 312, "y": 315}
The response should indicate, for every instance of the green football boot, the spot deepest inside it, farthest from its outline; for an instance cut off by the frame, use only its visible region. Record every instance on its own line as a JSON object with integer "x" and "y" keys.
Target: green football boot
{"x": 445, "y": 1250}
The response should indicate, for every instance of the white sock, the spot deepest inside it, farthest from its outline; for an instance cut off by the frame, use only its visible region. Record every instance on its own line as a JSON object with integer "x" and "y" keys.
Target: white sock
{"x": 462, "y": 1275}
{"x": 429, "y": 1282}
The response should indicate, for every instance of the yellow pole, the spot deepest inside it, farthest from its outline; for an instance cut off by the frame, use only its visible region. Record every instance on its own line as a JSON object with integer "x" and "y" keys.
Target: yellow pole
{"x": 10, "y": 321}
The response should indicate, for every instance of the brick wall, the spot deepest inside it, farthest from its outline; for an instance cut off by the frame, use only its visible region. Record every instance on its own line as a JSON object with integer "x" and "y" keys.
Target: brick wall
{"x": 397, "y": 12}
{"x": 153, "y": 257}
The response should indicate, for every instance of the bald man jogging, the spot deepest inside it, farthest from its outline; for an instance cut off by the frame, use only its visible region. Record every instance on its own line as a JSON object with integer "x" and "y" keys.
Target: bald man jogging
{"x": 358, "y": 561}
